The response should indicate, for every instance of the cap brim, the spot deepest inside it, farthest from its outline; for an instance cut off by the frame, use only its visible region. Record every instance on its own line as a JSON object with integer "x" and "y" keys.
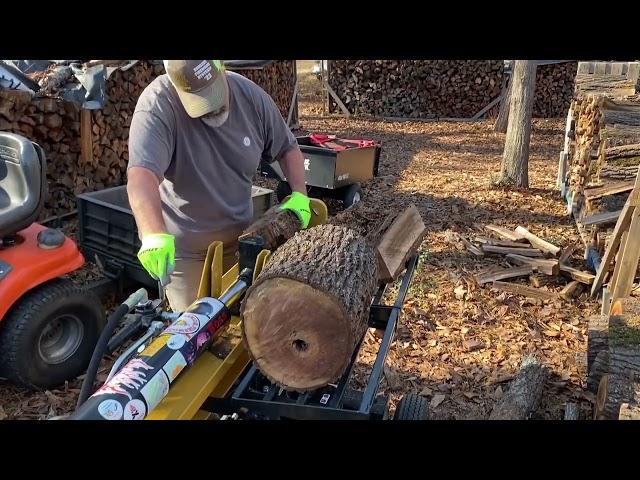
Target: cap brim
{"x": 205, "y": 101}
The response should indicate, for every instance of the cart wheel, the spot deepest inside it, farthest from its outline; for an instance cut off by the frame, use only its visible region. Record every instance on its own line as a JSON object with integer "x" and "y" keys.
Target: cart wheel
{"x": 49, "y": 335}
{"x": 351, "y": 195}
{"x": 412, "y": 407}
{"x": 283, "y": 191}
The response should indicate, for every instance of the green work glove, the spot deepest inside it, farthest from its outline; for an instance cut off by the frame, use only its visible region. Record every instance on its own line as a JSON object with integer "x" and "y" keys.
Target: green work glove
{"x": 300, "y": 205}
{"x": 157, "y": 256}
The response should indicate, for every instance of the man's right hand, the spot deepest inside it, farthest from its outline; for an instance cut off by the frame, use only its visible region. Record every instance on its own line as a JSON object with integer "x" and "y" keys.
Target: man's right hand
{"x": 157, "y": 256}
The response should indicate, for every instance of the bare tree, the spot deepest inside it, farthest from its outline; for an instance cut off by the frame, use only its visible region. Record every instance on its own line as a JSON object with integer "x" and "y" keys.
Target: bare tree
{"x": 515, "y": 159}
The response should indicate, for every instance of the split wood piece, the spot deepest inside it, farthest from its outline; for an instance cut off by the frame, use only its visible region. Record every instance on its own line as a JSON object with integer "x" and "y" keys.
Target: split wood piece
{"x": 399, "y": 242}
{"x": 579, "y": 275}
{"x": 606, "y": 301}
{"x": 542, "y": 265}
{"x": 309, "y": 307}
{"x": 525, "y": 252}
{"x": 478, "y": 252}
{"x": 540, "y": 280}
{"x": 537, "y": 241}
{"x": 572, "y": 290}
{"x": 504, "y": 273}
{"x": 525, "y": 291}
{"x": 611, "y": 189}
{"x": 500, "y": 243}
{"x": 621, "y": 227}
{"x": 567, "y": 252}
{"x": 626, "y": 268}
{"x": 524, "y": 393}
{"x": 505, "y": 233}
{"x": 601, "y": 218}
{"x": 276, "y": 226}
{"x": 629, "y": 412}
{"x": 621, "y": 383}
{"x": 613, "y": 280}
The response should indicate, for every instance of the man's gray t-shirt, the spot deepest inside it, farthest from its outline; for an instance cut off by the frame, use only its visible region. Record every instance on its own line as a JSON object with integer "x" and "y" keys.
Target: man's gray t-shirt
{"x": 206, "y": 173}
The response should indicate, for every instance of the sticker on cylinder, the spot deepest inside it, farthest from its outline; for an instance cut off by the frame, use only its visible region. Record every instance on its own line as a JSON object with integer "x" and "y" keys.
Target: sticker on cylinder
{"x": 187, "y": 324}
{"x": 132, "y": 377}
{"x": 135, "y": 410}
{"x": 155, "y": 346}
{"x": 174, "y": 366}
{"x": 156, "y": 389}
{"x": 110, "y": 409}
{"x": 176, "y": 342}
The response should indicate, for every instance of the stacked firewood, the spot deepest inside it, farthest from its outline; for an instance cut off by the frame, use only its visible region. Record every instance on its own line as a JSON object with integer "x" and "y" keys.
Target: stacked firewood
{"x": 554, "y": 89}
{"x": 416, "y": 88}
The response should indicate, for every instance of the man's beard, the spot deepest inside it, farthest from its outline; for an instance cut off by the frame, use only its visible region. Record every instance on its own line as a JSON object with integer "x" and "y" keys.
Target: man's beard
{"x": 216, "y": 119}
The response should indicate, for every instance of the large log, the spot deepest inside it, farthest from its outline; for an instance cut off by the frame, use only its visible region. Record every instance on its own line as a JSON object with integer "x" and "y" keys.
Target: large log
{"x": 309, "y": 307}
{"x": 524, "y": 393}
{"x": 275, "y": 227}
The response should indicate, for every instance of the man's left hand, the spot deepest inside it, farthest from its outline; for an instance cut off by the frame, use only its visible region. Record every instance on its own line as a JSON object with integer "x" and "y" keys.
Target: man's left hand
{"x": 300, "y": 205}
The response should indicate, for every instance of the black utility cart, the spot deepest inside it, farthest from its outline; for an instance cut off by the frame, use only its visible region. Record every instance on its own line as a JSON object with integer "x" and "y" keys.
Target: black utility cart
{"x": 330, "y": 173}
{"x": 260, "y": 399}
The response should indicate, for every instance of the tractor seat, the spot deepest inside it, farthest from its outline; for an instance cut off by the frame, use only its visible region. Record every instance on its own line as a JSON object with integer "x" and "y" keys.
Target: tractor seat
{"x": 23, "y": 183}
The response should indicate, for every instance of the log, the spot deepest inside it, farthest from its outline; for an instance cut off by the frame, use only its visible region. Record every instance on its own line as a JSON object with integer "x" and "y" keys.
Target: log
{"x": 309, "y": 307}
{"x": 505, "y": 233}
{"x": 601, "y": 218}
{"x": 571, "y": 411}
{"x": 571, "y": 290}
{"x": 524, "y": 291}
{"x": 582, "y": 277}
{"x": 504, "y": 274}
{"x": 524, "y": 393}
{"x": 546, "y": 266}
{"x": 500, "y": 243}
{"x": 276, "y": 226}
{"x": 537, "y": 241}
{"x": 398, "y": 243}
{"x": 525, "y": 252}
{"x": 611, "y": 189}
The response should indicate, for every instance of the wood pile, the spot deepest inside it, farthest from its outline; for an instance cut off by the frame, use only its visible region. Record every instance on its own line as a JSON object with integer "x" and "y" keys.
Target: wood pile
{"x": 415, "y": 88}
{"x": 554, "y": 89}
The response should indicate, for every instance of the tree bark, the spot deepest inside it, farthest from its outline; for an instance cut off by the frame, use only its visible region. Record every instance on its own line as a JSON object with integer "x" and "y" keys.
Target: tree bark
{"x": 515, "y": 160}
{"x": 503, "y": 115}
{"x": 524, "y": 393}
{"x": 276, "y": 226}
{"x": 309, "y": 308}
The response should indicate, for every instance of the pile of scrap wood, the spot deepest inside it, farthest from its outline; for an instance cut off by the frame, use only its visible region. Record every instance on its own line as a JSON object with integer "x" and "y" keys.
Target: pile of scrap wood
{"x": 524, "y": 254}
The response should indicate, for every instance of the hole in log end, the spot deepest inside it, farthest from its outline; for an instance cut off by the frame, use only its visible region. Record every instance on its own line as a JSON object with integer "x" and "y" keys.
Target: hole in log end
{"x": 299, "y": 336}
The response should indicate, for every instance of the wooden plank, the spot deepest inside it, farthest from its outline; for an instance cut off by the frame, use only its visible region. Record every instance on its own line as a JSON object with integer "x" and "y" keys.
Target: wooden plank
{"x": 583, "y": 68}
{"x": 523, "y": 290}
{"x": 537, "y": 241}
{"x": 504, "y": 233}
{"x": 478, "y": 252}
{"x": 562, "y": 170}
{"x": 616, "y": 271}
{"x": 616, "y": 68}
{"x": 601, "y": 218}
{"x": 526, "y": 252}
{"x": 399, "y": 242}
{"x": 600, "y": 68}
{"x": 606, "y": 301}
{"x": 611, "y": 189}
{"x": 487, "y": 108}
{"x": 337, "y": 99}
{"x": 548, "y": 267}
{"x": 572, "y": 289}
{"x": 579, "y": 275}
{"x": 621, "y": 226}
{"x": 628, "y": 264}
{"x": 500, "y": 243}
{"x": 86, "y": 137}
{"x": 634, "y": 71}
{"x": 294, "y": 100}
{"x": 504, "y": 273}
{"x": 567, "y": 252}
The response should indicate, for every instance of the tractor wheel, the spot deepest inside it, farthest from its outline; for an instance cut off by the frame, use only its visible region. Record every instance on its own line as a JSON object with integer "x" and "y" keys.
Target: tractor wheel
{"x": 48, "y": 337}
{"x": 412, "y": 407}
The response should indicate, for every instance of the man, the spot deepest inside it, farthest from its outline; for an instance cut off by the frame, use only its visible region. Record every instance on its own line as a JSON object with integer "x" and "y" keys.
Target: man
{"x": 197, "y": 136}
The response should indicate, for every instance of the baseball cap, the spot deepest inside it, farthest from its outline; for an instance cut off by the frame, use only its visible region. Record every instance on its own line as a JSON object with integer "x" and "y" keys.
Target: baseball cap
{"x": 200, "y": 84}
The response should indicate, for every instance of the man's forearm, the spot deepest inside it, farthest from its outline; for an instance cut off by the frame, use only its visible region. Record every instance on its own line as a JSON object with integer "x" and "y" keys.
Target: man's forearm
{"x": 292, "y": 164}
{"x": 144, "y": 198}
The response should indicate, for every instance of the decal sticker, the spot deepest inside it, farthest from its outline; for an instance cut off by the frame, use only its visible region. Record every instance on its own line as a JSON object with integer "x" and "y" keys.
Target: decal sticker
{"x": 155, "y": 390}
{"x": 187, "y": 324}
{"x": 110, "y": 409}
{"x": 131, "y": 376}
{"x": 189, "y": 352}
{"x": 135, "y": 410}
{"x": 155, "y": 346}
{"x": 202, "y": 338}
{"x": 176, "y": 342}
{"x": 174, "y": 366}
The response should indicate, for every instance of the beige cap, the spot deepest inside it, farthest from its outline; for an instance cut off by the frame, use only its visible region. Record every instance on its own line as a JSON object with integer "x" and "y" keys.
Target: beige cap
{"x": 200, "y": 84}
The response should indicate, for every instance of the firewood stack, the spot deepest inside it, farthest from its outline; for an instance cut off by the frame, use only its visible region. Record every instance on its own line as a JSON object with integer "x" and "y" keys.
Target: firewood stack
{"x": 554, "y": 89}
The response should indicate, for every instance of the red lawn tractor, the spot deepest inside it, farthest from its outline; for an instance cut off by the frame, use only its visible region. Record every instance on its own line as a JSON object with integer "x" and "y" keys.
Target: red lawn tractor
{"x": 49, "y": 326}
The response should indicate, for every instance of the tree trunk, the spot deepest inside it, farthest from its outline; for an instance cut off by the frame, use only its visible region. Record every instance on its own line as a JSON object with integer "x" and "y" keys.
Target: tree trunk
{"x": 524, "y": 393}
{"x": 503, "y": 115}
{"x": 309, "y": 308}
{"x": 515, "y": 160}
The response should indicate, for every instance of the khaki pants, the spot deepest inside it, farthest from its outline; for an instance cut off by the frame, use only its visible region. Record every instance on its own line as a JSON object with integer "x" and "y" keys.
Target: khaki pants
{"x": 185, "y": 280}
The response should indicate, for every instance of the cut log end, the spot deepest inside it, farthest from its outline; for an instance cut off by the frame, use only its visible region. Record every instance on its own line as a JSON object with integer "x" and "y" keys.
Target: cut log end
{"x": 304, "y": 351}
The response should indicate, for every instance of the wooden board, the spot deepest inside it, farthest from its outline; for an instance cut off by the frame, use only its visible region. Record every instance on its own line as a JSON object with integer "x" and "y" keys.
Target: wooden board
{"x": 579, "y": 275}
{"x": 523, "y": 290}
{"x": 500, "y": 243}
{"x": 572, "y": 289}
{"x": 537, "y": 241}
{"x": 628, "y": 264}
{"x": 601, "y": 218}
{"x": 504, "y": 233}
{"x": 504, "y": 273}
{"x": 548, "y": 267}
{"x": 399, "y": 242}
{"x": 611, "y": 189}
{"x": 526, "y": 252}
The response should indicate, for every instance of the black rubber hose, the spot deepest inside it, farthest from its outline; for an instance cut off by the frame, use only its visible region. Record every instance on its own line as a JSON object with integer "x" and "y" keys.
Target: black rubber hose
{"x": 99, "y": 351}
